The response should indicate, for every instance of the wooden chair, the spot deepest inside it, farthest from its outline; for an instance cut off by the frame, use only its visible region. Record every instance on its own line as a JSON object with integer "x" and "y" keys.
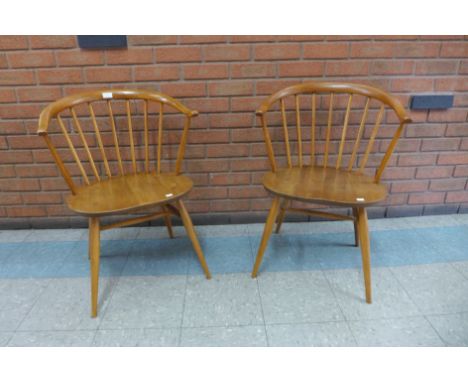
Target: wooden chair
{"x": 330, "y": 168}
{"x": 104, "y": 139}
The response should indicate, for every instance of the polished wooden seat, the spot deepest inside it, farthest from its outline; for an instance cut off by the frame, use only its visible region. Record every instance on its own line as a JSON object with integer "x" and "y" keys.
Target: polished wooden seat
{"x": 129, "y": 193}
{"x": 333, "y": 167}
{"x": 325, "y": 185}
{"x": 114, "y": 151}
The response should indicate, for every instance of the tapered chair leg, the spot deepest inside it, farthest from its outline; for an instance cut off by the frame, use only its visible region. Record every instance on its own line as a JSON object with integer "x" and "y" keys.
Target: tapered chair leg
{"x": 167, "y": 220}
{"x": 365, "y": 251}
{"x": 279, "y": 220}
{"x": 94, "y": 239}
{"x": 193, "y": 237}
{"x": 266, "y": 234}
{"x": 356, "y": 228}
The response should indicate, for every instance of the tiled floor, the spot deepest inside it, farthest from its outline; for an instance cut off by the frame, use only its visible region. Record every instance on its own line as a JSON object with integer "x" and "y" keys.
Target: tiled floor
{"x": 309, "y": 291}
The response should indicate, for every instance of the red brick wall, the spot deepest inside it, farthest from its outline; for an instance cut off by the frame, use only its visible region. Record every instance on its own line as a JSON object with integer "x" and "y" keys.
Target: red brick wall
{"x": 225, "y": 78}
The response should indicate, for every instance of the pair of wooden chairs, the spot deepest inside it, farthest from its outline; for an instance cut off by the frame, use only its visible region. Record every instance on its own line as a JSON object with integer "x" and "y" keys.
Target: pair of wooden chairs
{"x": 128, "y": 146}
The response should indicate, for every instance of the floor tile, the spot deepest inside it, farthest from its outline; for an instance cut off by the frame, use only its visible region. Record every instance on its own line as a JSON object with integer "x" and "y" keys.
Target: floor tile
{"x": 137, "y": 337}
{"x": 14, "y": 235}
{"x": 462, "y": 267}
{"x": 225, "y": 300}
{"x": 17, "y": 297}
{"x": 461, "y": 218}
{"x": 389, "y": 299}
{"x": 234, "y": 336}
{"x": 66, "y": 305}
{"x": 158, "y": 257}
{"x": 435, "y": 288}
{"x": 128, "y": 233}
{"x": 297, "y": 297}
{"x": 146, "y": 302}
{"x": 305, "y": 228}
{"x": 223, "y": 255}
{"x": 57, "y": 235}
{"x": 148, "y": 233}
{"x": 231, "y": 230}
{"x": 53, "y": 338}
{"x": 409, "y": 331}
{"x": 5, "y": 338}
{"x": 317, "y": 334}
{"x": 453, "y": 328}
{"x": 34, "y": 259}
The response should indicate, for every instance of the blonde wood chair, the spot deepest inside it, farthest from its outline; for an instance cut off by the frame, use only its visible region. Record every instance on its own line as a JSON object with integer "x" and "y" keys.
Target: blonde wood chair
{"x": 108, "y": 146}
{"x": 333, "y": 166}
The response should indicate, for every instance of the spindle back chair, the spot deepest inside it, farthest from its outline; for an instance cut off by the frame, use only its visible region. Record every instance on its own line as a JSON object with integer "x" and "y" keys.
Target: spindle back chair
{"x": 342, "y": 122}
{"x": 116, "y": 151}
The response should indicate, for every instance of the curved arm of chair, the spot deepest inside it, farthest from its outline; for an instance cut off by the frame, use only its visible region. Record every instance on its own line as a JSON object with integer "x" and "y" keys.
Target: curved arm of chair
{"x": 337, "y": 87}
{"x": 55, "y": 107}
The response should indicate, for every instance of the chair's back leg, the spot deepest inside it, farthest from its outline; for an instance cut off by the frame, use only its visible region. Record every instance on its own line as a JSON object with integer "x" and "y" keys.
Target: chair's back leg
{"x": 94, "y": 235}
{"x": 282, "y": 213}
{"x": 356, "y": 228}
{"x": 167, "y": 221}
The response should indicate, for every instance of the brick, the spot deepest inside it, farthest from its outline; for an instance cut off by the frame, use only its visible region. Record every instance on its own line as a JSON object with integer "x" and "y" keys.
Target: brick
{"x": 272, "y": 86}
{"x": 230, "y": 205}
{"x": 436, "y": 67}
{"x": 17, "y": 77}
{"x": 20, "y": 110}
{"x": 410, "y": 186}
{"x": 441, "y": 144}
{"x": 413, "y": 49}
{"x": 208, "y": 105}
{"x": 35, "y": 171}
{"x": 108, "y": 74}
{"x": 277, "y": 51}
{"x": 3, "y": 61}
{"x": 392, "y": 173}
{"x": 129, "y": 56}
{"x": 327, "y": 50}
{"x": 211, "y": 136}
{"x": 457, "y": 130}
{"x": 10, "y": 199}
{"x": 39, "y": 94}
{"x": 42, "y": 198}
{"x": 424, "y": 131}
{"x": 229, "y": 150}
{"x": 209, "y": 193}
{"x": 347, "y": 68}
{"x": 13, "y": 42}
{"x": 230, "y": 88}
{"x": 412, "y": 85}
{"x": 252, "y": 38}
{"x": 151, "y": 40}
{"x": 184, "y": 89}
{"x": 205, "y": 71}
{"x": 208, "y": 165}
{"x": 450, "y": 115}
{"x": 464, "y": 144}
{"x": 459, "y": 84}
{"x": 156, "y": 73}
{"x": 417, "y": 159}
{"x": 178, "y": 54}
{"x": 60, "y": 76}
{"x": 461, "y": 171}
{"x": 227, "y": 52}
{"x": 19, "y": 185}
{"x": 447, "y": 184}
{"x": 253, "y": 70}
{"x": 371, "y": 50}
{"x": 454, "y": 49}
{"x": 229, "y": 179}
{"x": 245, "y": 103}
{"x": 7, "y": 95}
{"x": 463, "y": 67}
{"x": 52, "y": 42}
{"x": 7, "y": 171}
{"x": 3, "y": 143}
{"x": 392, "y": 67}
{"x": 26, "y": 211}
{"x": 231, "y": 120}
{"x": 434, "y": 172}
{"x": 453, "y": 158}
{"x": 11, "y": 127}
{"x": 249, "y": 164}
{"x": 427, "y": 198}
{"x": 301, "y": 69}
{"x": 31, "y": 59}
{"x": 457, "y": 197}
{"x": 203, "y": 39}
{"x": 247, "y": 192}
{"x": 79, "y": 57}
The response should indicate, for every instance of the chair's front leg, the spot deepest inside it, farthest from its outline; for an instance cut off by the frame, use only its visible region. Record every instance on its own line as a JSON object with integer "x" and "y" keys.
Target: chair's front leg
{"x": 94, "y": 238}
{"x": 266, "y": 234}
{"x": 193, "y": 237}
{"x": 365, "y": 250}
{"x": 279, "y": 220}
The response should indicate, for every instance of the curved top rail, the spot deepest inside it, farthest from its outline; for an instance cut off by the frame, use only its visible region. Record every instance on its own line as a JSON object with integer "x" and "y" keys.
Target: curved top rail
{"x": 107, "y": 94}
{"x": 337, "y": 87}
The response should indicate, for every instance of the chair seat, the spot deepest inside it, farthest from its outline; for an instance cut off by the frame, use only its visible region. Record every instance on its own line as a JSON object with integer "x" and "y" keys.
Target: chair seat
{"x": 325, "y": 185}
{"x": 128, "y": 193}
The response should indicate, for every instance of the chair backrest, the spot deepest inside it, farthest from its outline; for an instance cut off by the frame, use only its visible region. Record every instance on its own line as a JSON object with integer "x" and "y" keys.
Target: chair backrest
{"x": 100, "y": 134}
{"x": 331, "y": 124}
